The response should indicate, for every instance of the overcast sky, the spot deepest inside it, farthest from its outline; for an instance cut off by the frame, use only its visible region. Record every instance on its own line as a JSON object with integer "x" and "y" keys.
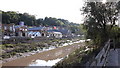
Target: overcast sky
{"x": 65, "y": 9}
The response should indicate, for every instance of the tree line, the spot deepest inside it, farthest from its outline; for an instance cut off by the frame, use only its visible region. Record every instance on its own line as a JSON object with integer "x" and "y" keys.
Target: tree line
{"x": 30, "y": 20}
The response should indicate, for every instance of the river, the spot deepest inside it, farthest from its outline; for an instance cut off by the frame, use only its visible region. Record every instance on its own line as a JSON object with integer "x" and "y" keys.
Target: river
{"x": 46, "y": 58}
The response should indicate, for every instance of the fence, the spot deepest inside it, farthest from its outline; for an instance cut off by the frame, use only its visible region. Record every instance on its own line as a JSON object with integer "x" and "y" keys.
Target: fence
{"x": 100, "y": 59}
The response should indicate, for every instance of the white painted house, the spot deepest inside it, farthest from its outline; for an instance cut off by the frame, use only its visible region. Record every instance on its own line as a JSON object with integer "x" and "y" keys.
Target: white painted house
{"x": 54, "y": 34}
{"x": 34, "y": 34}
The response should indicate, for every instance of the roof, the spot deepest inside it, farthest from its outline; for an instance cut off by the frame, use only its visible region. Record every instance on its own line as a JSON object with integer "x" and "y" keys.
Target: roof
{"x": 36, "y": 28}
{"x": 63, "y": 31}
{"x": 18, "y": 26}
{"x": 29, "y": 33}
{"x": 53, "y": 31}
{"x": 57, "y": 32}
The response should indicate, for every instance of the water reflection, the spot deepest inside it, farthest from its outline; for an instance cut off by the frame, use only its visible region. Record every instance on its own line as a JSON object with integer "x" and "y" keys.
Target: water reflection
{"x": 45, "y": 63}
{"x": 52, "y": 62}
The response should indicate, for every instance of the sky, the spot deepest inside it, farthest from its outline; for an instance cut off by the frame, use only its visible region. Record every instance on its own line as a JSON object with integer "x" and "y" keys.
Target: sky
{"x": 64, "y": 9}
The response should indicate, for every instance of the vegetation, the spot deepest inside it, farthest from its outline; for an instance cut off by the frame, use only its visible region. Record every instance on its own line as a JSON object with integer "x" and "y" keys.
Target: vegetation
{"x": 100, "y": 21}
{"x": 9, "y": 50}
{"x": 100, "y": 25}
{"x": 78, "y": 58}
{"x": 30, "y": 20}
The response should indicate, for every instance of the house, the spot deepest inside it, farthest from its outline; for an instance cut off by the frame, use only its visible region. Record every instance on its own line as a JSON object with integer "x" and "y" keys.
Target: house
{"x": 34, "y": 34}
{"x": 41, "y": 30}
{"x": 21, "y": 31}
{"x": 55, "y": 34}
{"x": 8, "y": 29}
{"x": 65, "y": 32}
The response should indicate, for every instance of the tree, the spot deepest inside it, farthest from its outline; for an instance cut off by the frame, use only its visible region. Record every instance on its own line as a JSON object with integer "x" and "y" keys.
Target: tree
{"x": 10, "y": 17}
{"x": 39, "y": 21}
{"x": 100, "y": 19}
{"x": 28, "y": 19}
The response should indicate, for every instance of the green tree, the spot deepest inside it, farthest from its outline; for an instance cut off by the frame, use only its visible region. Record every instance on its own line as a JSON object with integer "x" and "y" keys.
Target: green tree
{"x": 28, "y": 19}
{"x": 10, "y": 17}
{"x": 99, "y": 20}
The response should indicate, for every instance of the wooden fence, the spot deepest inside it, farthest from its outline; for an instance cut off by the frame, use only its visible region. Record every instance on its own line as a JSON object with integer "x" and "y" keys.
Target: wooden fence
{"x": 100, "y": 59}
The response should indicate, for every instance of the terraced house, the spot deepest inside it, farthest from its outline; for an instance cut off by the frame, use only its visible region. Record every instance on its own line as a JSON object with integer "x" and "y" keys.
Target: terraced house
{"x": 22, "y": 30}
{"x": 8, "y": 29}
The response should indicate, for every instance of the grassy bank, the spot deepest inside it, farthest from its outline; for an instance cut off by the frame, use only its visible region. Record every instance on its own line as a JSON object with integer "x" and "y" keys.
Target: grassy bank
{"x": 9, "y": 50}
{"x": 79, "y": 57}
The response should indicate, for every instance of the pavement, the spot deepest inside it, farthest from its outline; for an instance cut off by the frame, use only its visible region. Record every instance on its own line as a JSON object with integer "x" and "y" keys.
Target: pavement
{"x": 119, "y": 57}
{"x": 113, "y": 58}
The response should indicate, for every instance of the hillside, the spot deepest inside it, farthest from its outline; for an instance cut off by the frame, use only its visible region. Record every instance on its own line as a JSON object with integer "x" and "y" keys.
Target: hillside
{"x": 30, "y": 20}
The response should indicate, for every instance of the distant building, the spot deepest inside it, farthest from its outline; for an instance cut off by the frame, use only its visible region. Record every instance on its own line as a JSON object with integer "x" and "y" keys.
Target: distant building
{"x": 42, "y": 30}
{"x": 21, "y": 31}
{"x": 21, "y": 23}
{"x": 65, "y": 32}
{"x": 55, "y": 34}
{"x": 8, "y": 29}
{"x": 34, "y": 34}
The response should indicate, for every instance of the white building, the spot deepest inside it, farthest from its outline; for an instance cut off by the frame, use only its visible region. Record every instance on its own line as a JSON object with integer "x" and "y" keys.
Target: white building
{"x": 55, "y": 34}
{"x": 34, "y": 34}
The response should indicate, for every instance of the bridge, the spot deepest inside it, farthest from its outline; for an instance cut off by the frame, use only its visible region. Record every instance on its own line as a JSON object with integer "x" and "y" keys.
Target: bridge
{"x": 106, "y": 57}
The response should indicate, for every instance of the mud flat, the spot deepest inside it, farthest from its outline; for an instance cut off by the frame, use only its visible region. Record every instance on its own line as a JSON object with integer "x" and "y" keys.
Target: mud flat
{"x": 56, "y": 53}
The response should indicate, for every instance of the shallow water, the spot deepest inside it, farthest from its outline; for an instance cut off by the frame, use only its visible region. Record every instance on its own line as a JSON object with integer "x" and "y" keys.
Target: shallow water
{"x": 39, "y": 62}
{"x": 45, "y": 57}
{"x": 45, "y": 63}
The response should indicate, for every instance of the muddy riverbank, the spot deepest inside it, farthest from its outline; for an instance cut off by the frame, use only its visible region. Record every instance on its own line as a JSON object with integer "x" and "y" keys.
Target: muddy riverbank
{"x": 46, "y": 55}
{"x": 19, "y": 55}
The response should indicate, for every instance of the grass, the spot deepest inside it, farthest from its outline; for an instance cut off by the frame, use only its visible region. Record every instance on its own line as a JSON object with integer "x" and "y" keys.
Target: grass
{"x": 19, "y": 48}
{"x": 78, "y": 58}
{"x": 12, "y": 49}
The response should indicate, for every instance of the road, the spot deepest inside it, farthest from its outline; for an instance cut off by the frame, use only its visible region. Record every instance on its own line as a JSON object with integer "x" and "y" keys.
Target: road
{"x": 113, "y": 58}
